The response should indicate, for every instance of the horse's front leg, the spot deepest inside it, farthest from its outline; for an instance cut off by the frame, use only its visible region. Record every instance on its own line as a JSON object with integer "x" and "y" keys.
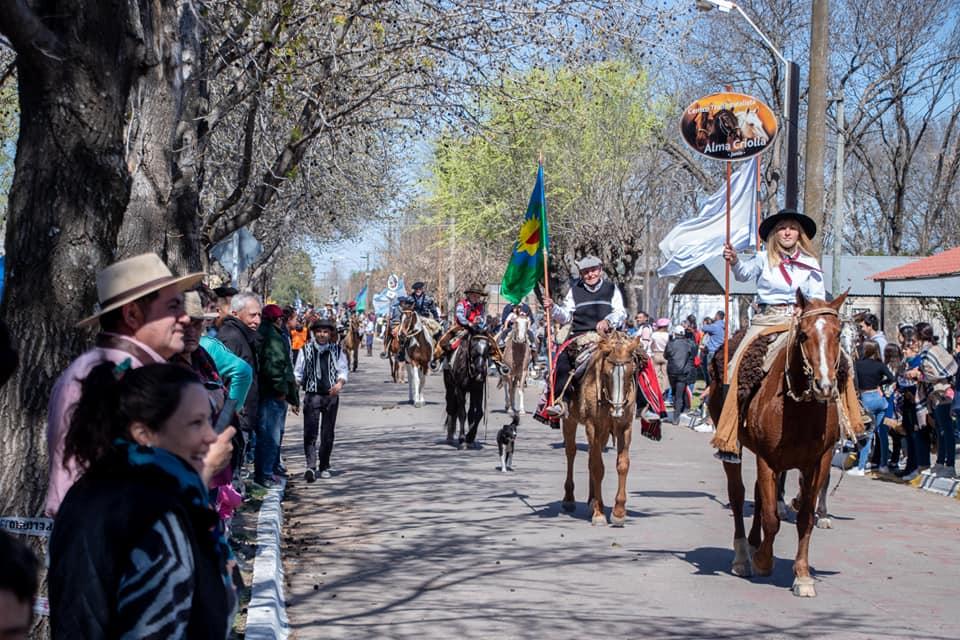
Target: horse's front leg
{"x": 519, "y": 384}
{"x": 812, "y": 481}
{"x": 769, "y": 521}
{"x": 735, "y": 494}
{"x": 619, "y": 514}
{"x": 596, "y": 438}
{"x": 570, "y": 446}
{"x": 508, "y": 394}
{"x": 823, "y": 519}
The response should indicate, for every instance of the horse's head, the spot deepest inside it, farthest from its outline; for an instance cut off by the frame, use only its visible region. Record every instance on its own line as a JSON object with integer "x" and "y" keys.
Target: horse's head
{"x": 619, "y": 358}
{"x": 818, "y": 340}
{"x": 478, "y": 357}
{"x": 750, "y": 125}
{"x": 521, "y": 324}
{"x": 409, "y": 324}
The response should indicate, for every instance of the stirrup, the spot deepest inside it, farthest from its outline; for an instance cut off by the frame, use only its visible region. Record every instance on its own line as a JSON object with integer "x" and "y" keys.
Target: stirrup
{"x": 556, "y": 411}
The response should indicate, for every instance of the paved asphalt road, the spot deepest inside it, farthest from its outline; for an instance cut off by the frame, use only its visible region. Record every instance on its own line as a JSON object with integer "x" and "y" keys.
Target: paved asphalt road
{"x": 414, "y": 539}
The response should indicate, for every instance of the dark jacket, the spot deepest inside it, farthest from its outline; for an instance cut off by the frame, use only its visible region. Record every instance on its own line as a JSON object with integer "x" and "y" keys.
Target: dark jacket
{"x": 276, "y": 372}
{"x": 103, "y": 518}
{"x": 244, "y": 342}
{"x": 679, "y": 354}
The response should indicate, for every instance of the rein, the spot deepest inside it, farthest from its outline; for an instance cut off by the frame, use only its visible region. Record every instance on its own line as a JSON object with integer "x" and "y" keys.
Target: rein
{"x": 807, "y": 394}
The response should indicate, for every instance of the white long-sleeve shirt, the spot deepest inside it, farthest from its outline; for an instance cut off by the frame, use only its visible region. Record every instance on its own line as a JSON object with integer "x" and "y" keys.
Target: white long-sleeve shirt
{"x": 772, "y": 287}
{"x": 563, "y": 313}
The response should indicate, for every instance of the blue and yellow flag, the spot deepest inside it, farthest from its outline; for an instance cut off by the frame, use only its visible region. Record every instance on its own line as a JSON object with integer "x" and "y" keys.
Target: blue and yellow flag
{"x": 526, "y": 263}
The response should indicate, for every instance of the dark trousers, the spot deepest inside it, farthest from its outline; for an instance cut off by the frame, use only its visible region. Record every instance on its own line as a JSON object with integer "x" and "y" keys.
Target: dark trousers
{"x": 679, "y": 386}
{"x": 319, "y": 417}
{"x": 909, "y": 414}
{"x": 563, "y": 370}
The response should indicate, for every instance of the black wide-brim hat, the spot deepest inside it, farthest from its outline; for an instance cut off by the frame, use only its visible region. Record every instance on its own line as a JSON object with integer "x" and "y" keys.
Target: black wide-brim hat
{"x": 323, "y": 323}
{"x": 806, "y": 222}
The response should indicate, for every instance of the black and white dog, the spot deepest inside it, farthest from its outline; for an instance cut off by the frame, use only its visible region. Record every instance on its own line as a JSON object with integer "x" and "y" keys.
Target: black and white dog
{"x": 506, "y": 443}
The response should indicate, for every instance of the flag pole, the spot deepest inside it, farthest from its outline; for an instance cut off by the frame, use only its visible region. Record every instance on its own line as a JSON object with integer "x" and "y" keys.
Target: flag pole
{"x": 726, "y": 290}
{"x": 546, "y": 292}
{"x": 759, "y": 203}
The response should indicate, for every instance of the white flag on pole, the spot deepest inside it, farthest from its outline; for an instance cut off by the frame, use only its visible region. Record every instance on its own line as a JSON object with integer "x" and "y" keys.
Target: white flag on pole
{"x": 693, "y": 242}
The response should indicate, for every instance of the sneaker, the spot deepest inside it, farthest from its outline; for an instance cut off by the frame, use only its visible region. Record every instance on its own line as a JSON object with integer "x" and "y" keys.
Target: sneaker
{"x": 856, "y": 471}
{"x": 310, "y": 475}
{"x": 726, "y": 456}
{"x": 884, "y": 469}
{"x": 704, "y": 428}
{"x": 325, "y": 474}
{"x": 909, "y": 476}
{"x": 926, "y": 471}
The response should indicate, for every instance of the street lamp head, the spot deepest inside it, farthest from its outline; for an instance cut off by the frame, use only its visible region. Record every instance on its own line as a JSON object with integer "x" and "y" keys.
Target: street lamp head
{"x": 707, "y": 5}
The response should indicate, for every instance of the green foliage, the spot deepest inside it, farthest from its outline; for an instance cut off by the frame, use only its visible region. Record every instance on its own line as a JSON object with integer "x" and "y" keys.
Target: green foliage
{"x": 294, "y": 275}
{"x": 590, "y": 123}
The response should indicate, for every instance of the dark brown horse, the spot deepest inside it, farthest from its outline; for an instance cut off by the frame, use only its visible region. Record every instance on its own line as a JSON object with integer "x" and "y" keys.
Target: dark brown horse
{"x": 790, "y": 420}
{"x": 351, "y": 341}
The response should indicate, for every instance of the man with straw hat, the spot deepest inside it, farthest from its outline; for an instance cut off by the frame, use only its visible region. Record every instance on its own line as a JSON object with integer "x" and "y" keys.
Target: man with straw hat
{"x": 141, "y": 315}
{"x": 470, "y": 315}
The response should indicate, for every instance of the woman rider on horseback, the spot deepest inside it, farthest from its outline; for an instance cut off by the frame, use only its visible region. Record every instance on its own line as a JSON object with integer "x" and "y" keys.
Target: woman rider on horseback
{"x": 787, "y": 264}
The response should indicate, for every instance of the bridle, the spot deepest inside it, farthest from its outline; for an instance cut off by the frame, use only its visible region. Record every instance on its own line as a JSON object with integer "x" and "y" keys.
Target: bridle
{"x": 414, "y": 331}
{"x": 620, "y": 383}
{"x": 807, "y": 394}
{"x": 471, "y": 373}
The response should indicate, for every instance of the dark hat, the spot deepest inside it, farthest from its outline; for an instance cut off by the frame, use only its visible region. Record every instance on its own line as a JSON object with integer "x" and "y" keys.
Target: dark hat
{"x": 323, "y": 323}
{"x": 806, "y": 222}
{"x": 225, "y": 292}
{"x": 476, "y": 288}
{"x": 418, "y": 285}
{"x": 352, "y": 304}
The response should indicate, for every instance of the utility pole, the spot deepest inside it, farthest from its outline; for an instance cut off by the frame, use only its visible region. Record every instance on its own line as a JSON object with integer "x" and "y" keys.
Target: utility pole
{"x": 817, "y": 114}
{"x": 838, "y": 199}
{"x": 451, "y": 278}
{"x": 366, "y": 286}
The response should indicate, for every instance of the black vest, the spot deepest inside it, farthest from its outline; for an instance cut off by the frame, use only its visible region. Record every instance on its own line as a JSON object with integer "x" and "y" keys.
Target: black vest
{"x": 103, "y": 516}
{"x": 591, "y": 308}
{"x": 319, "y": 369}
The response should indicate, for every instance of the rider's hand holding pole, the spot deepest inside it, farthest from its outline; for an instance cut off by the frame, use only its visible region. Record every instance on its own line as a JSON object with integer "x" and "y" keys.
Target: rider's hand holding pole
{"x": 730, "y": 254}
{"x": 603, "y": 327}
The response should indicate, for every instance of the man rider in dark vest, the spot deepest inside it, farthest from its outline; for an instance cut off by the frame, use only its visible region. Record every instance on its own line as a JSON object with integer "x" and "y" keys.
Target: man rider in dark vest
{"x": 424, "y": 305}
{"x": 592, "y": 304}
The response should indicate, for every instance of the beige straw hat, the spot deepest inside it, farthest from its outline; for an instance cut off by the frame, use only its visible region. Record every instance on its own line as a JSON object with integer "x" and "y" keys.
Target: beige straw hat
{"x": 194, "y": 307}
{"x": 133, "y": 278}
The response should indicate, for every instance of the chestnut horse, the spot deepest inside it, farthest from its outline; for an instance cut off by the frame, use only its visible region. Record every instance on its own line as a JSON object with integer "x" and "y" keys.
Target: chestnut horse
{"x": 352, "y": 340}
{"x": 392, "y": 348}
{"x": 790, "y": 420}
{"x": 604, "y": 402}
{"x": 417, "y": 345}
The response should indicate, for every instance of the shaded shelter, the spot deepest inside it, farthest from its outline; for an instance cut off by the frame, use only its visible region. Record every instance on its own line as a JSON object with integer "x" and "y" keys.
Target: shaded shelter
{"x": 916, "y": 274}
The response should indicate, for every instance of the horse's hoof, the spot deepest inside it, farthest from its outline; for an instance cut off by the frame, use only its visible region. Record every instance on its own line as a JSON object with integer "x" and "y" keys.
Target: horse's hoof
{"x": 741, "y": 558}
{"x": 599, "y": 520}
{"x": 475, "y": 445}
{"x": 825, "y": 522}
{"x": 761, "y": 572}
{"x": 462, "y": 446}
{"x": 741, "y": 569}
{"x": 803, "y": 587}
{"x": 617, "y": 521}
{"x": 569, "y": 506}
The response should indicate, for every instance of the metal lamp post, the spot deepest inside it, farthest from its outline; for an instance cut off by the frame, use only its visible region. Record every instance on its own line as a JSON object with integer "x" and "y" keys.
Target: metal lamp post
{"x": 791, "y": 99}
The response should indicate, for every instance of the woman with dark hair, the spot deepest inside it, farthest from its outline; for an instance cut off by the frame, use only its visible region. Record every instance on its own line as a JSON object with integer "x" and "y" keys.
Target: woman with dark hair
{"x": 936, "y": 373}
{"x": 872, "y": 374}
{"x": 137, "y": 551}
{"x": 893, "y": 418}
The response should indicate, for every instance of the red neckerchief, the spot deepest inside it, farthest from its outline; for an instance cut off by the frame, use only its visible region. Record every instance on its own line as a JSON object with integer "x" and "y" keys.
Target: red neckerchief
{"x": 793, "y": 260}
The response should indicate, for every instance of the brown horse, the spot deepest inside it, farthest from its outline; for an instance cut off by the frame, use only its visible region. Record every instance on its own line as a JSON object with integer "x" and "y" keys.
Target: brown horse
{"x": 417, "y": 345}
{"x": 352, "y": 340}
{"x": 604, "y": 403}
{"x": 392, "y": 348}
{"x": 790, "y": 420}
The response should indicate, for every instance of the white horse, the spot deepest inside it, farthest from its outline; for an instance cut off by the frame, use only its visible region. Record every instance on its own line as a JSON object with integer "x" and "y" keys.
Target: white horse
{"x": 751, "y": 128}
{"x": 517, "y": 357}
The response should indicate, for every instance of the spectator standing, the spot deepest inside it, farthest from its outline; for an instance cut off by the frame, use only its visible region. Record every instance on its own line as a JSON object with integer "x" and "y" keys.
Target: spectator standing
{"x": 322, "y": 371}
{"x": 936, "y": 374}
{"x": 870, "y": 329}
{"x": 239, "y": 334}
{"x": 872, "y": 375}
{"x": 714, "y": 332}
{"x": 680, "y": 353}
{"x": 277, "y": 388}
{"x": 136, "y": 550}
{"x": 18, "y": 588}
{"x": 369, "y": 331}
{"x": 142, "y": 318}
{"x": 658, "y": 343}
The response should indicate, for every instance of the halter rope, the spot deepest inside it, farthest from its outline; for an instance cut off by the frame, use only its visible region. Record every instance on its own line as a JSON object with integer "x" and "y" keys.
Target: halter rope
{"x": 807, "y": 393}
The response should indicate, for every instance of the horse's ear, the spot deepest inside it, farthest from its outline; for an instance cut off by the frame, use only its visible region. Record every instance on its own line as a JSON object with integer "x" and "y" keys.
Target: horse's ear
{"x": 801, "y": 299}
{"x": 839, "y": 300}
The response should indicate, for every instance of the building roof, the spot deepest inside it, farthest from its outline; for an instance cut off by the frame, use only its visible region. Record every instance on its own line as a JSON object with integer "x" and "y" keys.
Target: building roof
{"x": 855, "y": 275}
{"x": 946, "y": 263}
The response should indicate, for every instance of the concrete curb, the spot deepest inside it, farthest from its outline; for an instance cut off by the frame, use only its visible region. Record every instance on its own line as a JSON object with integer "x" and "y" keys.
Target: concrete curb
{"x": 942, "y": 486}
{"x": 267, "y": 612}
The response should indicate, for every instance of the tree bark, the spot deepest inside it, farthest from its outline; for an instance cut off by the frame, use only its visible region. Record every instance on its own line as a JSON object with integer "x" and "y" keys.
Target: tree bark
{"x": 76, "y": 64}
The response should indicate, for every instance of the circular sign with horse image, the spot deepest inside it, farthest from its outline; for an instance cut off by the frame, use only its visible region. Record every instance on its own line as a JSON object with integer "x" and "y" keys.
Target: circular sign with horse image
{"x": 728, "y": 126}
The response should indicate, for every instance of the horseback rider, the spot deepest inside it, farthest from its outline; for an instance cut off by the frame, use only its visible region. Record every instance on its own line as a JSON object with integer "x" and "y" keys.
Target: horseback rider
{"x": 510, "y": 314}
{"x": 788, "y": 263}
{"x": 426, "y": 308}
{"x": 593, "y": 304}
{"x": 471, "y": 316}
